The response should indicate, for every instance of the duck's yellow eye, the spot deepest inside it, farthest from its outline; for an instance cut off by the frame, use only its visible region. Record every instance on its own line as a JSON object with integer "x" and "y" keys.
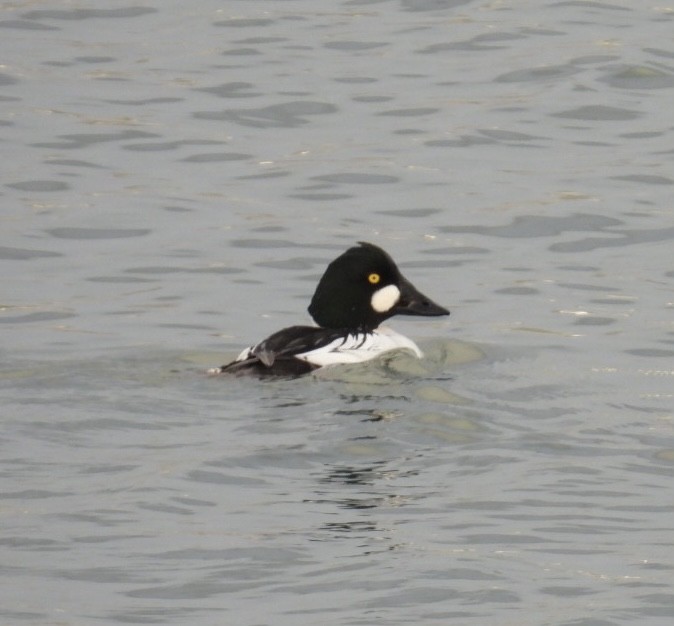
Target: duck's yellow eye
{"x": 374, "y": 278}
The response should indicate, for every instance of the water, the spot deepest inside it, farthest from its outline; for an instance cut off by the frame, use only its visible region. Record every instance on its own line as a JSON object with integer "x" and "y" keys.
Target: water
{"x": 175, "y": 179}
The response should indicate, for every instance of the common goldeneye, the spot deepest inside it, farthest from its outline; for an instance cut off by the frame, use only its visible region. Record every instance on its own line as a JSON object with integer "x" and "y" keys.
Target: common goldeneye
{"x": 358, "y": 291}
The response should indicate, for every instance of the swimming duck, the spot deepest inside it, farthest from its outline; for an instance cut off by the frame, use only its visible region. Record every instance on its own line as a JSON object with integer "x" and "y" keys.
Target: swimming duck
{"x": 359, "y": 290}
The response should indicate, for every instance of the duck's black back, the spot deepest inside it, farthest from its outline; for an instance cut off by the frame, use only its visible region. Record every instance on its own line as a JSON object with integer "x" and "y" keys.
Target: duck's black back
{"x": 276, "y": 355}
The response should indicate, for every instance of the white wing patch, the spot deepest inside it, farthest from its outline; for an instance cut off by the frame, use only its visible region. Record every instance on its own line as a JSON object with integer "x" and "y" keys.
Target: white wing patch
{"x": 246, "y": 353}
{"x": 360, "y": 347}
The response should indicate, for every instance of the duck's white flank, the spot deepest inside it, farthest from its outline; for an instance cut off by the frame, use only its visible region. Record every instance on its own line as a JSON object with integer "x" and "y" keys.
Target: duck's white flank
{"x": 360, "y": 347}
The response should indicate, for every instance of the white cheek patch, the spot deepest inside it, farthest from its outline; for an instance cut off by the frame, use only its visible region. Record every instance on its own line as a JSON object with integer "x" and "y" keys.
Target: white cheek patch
{"x": 385, "y": 299}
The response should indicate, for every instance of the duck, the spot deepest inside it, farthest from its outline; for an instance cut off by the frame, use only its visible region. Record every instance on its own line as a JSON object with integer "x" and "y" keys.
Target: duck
{"x": 358, "y": 291}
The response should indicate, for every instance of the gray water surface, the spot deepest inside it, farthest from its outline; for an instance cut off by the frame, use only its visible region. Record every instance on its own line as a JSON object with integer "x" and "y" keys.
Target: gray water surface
{"x": 176, "y": 176}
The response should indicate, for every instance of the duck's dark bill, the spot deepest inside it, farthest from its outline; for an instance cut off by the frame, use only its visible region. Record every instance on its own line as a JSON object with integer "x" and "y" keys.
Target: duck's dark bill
{"x": 413, "y": 302}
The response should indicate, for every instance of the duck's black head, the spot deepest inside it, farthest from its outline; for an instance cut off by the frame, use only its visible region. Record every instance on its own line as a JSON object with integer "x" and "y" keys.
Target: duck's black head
{"x": 362, "y": 288}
